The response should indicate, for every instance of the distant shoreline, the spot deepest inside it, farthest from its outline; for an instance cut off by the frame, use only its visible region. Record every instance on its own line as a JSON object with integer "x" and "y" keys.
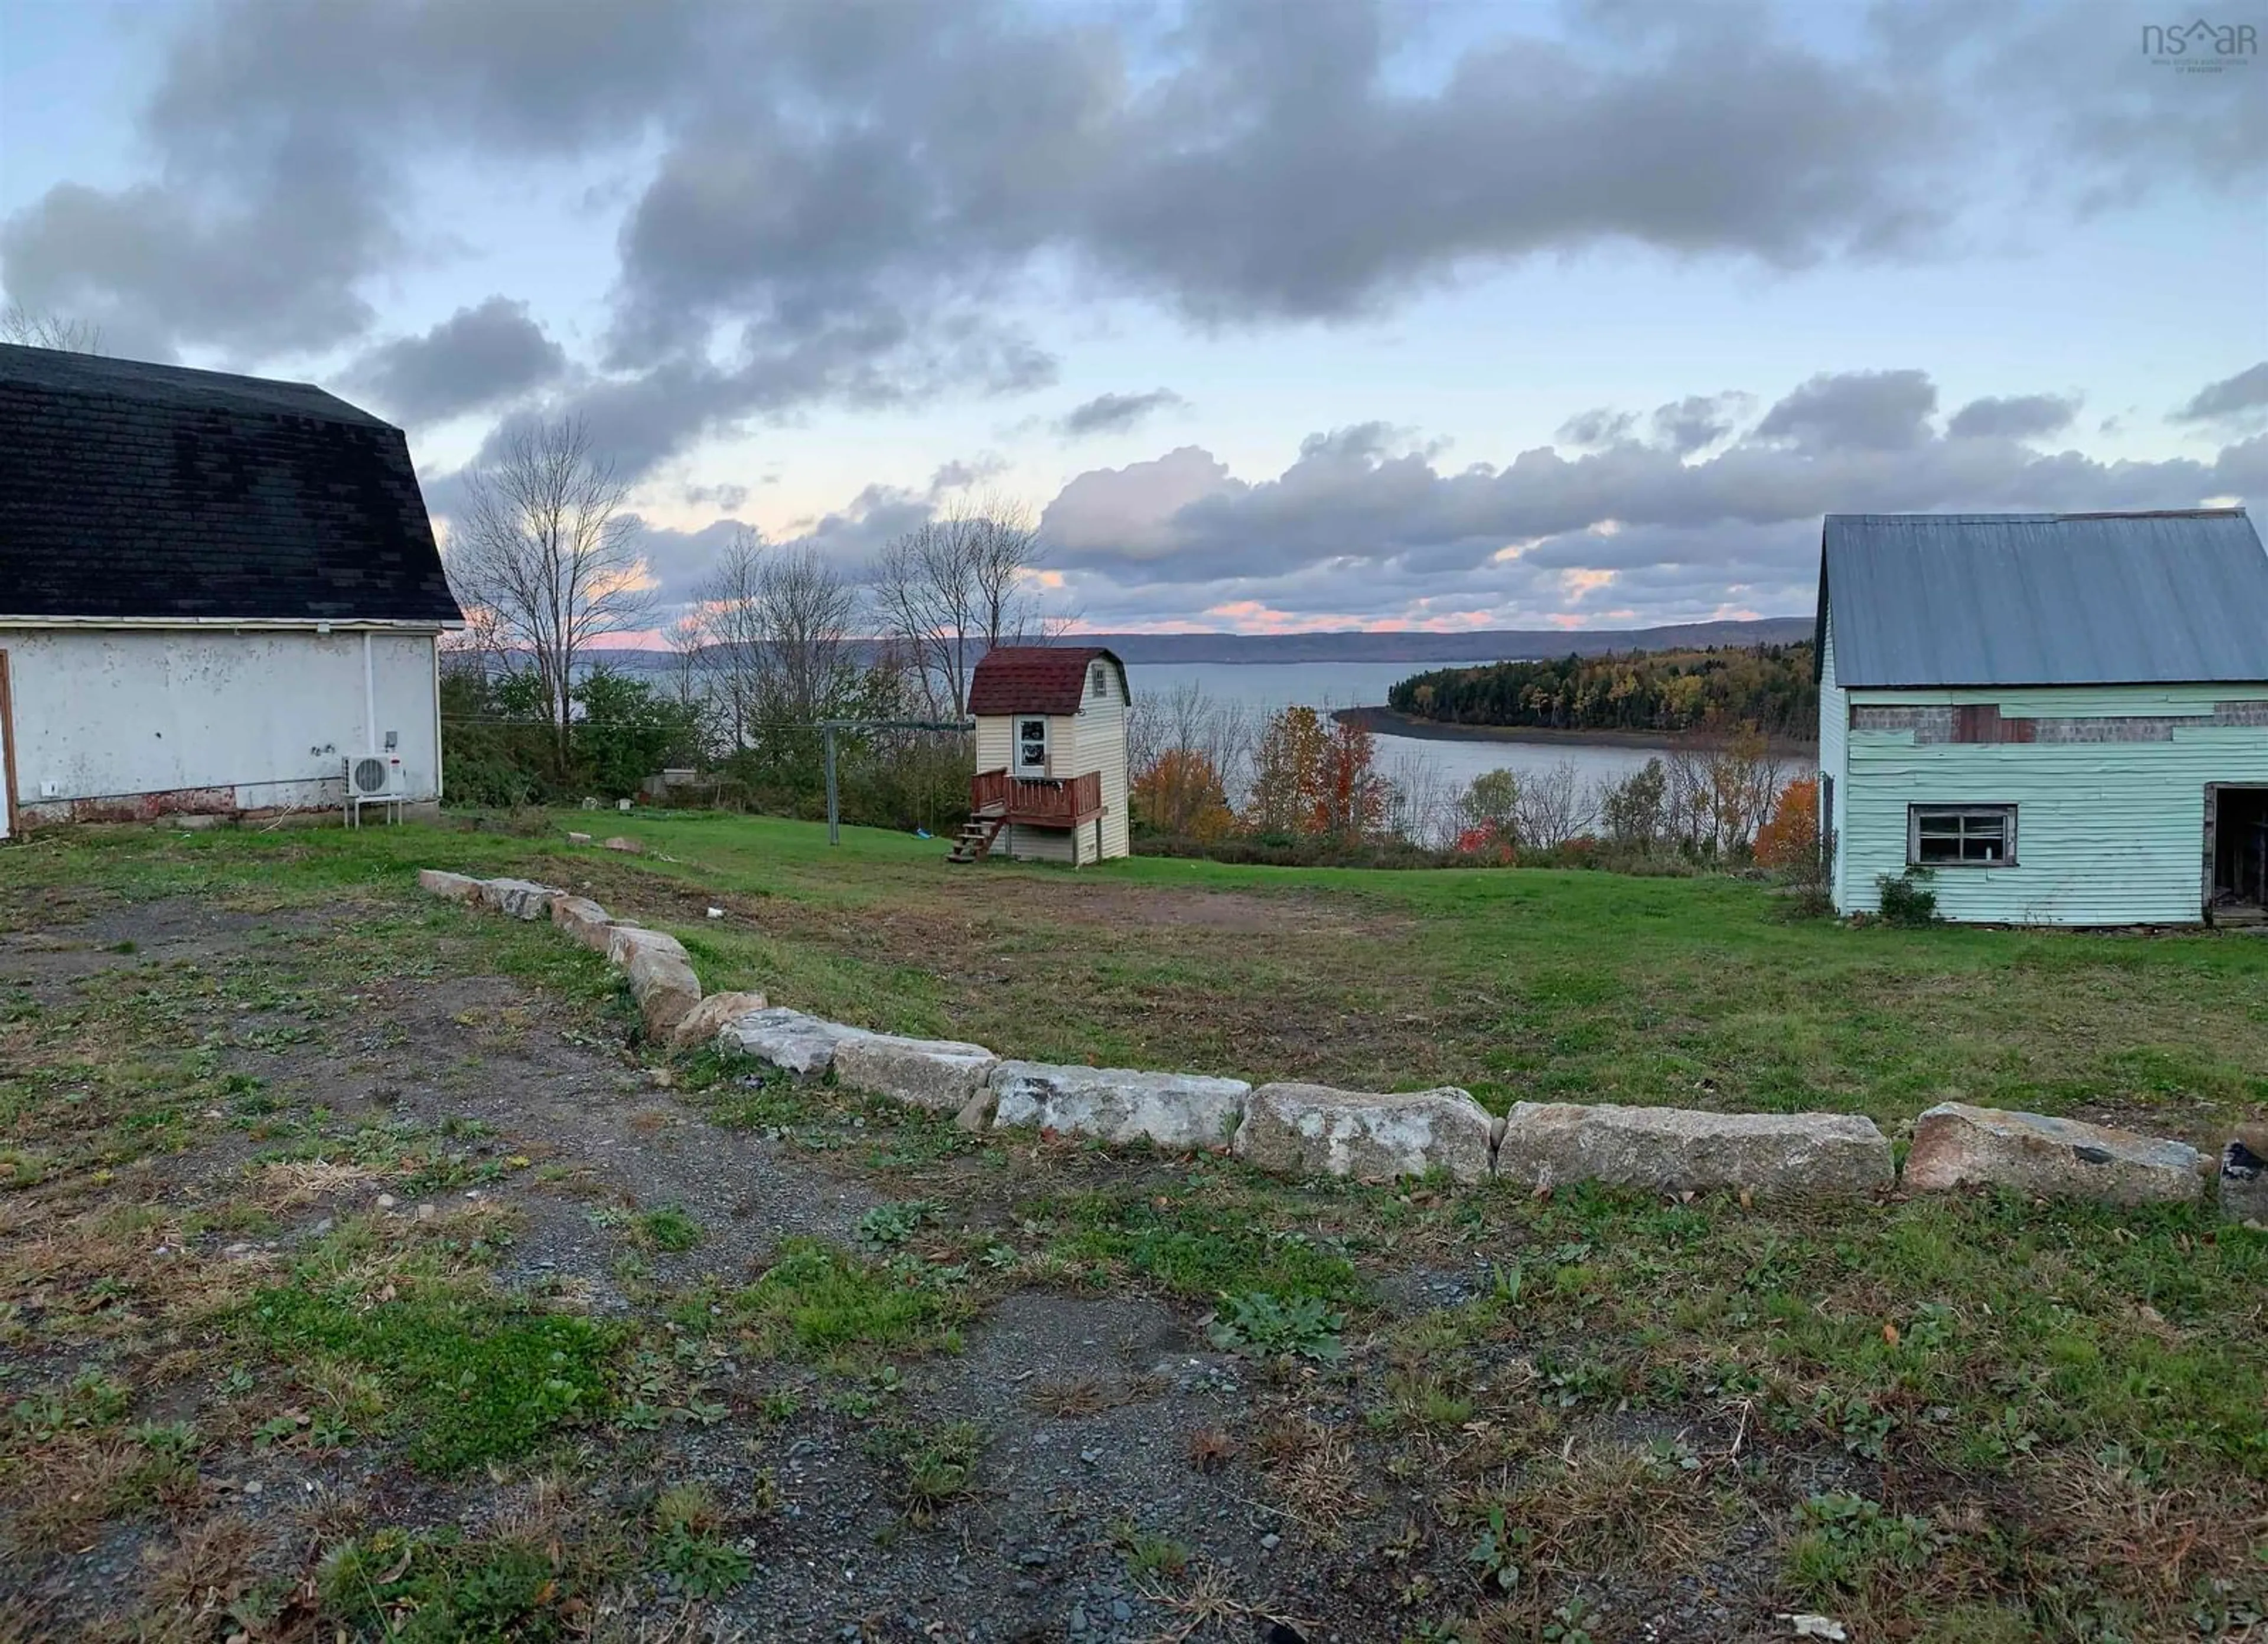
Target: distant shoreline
{"x": 1385, "y": 722}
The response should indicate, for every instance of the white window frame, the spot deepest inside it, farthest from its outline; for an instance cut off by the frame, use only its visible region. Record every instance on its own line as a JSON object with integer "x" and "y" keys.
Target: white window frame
{"x": 2006, "y": 815}
{"x": 1098, "y": 681}
{"x": 1020, "y": 768}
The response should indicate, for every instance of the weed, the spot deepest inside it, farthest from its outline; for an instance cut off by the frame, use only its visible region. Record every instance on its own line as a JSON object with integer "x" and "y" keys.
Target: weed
{"x": 670, "y": 1228}
{"x": 817, "y": 1301}
{"x": 1848, "y": 1542}
{"x": 429, "y": 1588}
{"x": 1498, "y": 1550}
{"x": 471, "y": 1378}
{"x": 887, "y": 1226}
{"x": 1149, "y": 1554}
{"x": 1266, "y": 1327}
{"x": 1199, "y": 1244}
{"x": 932, "y": 1468}
{"x": 1210, "y": 1449}
{"x": 1567, "y": 1624}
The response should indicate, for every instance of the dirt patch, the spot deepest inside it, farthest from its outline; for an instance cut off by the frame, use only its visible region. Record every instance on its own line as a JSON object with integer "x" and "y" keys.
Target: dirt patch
{"x": 1228, "y": 912}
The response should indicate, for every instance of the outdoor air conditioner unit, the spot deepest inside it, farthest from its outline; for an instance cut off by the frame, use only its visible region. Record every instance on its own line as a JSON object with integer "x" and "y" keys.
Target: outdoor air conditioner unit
{"x": 372, "y": 779}
{"x": 373, "y": 776}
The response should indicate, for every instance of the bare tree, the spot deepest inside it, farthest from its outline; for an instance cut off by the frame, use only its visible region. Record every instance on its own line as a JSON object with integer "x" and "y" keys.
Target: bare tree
{"x": 1422, "y": 807}
{"x": 545, "y": 546}
{"x": 49, "y": 330}
{"x": 1554, "y": 805}
{"x": 687, "y": 639}
{"x": 776, "y": 624}
{"x": 956, "y": 586}
{"x": 1189, "y": 718}
{"x": 727, "y": 606}
{"x": 926, "y": 605}
{"x": 478, "y": 647}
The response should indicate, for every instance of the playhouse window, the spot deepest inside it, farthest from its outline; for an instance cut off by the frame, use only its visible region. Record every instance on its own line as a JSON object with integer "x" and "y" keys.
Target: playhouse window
{"x": 1961, "y": 836}
{"x": 1031, "y": 746}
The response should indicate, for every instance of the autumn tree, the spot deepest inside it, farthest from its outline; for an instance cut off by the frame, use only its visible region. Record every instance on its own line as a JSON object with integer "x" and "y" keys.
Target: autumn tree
{"x": 1554, "y": 805}
{"x": 1634, "y": 810}
{"x": 1351, "y": 797}
{"x": 1287, "y": 774}
{"x": 1190, "y": 719}
{"x": 1790, "y": 838}
{"x": 1489, "y": 806}
{"x": 1179, "y": 794}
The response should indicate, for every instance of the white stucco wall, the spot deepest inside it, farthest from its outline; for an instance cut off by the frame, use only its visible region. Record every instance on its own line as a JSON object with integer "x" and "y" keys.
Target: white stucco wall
{"x": 270, "y": 713}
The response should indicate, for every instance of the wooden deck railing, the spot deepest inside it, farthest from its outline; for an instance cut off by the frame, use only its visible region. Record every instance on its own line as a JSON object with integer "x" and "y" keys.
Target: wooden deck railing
{"x": 1044, "y": 801}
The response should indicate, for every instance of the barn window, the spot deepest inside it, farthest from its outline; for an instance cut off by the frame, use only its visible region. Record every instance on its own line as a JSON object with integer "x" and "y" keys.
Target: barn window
{"x": 1961, "y": 836}
{"x": 1031, "y": 747}
{"x": 1099, "y": 684}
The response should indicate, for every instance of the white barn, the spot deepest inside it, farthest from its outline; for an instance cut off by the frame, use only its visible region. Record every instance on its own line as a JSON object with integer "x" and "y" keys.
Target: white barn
{"x": 1050, "y": 783}
{"x": 215, "y": 592}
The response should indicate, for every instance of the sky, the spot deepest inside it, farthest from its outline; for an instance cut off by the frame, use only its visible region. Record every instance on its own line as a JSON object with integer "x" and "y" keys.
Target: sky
{"x": 1276, "y": 316}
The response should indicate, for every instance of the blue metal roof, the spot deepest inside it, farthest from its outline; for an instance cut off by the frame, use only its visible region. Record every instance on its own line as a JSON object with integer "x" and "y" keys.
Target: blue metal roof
{"x": 1970, "y": 600}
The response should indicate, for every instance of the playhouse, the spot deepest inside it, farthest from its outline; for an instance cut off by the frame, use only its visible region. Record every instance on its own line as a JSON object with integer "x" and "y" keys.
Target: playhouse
{"x": 1050, "y": 782}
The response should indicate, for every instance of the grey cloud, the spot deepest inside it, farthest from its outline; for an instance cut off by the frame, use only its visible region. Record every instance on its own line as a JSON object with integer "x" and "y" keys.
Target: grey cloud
{"x": 1685, "y": 426}
{"x": 1116, "y": 414}
{"x": 873, "y": 360}
{"x": 1698, "y": 420}
{"x": 286, "y": 135}
{"x": 2244, "y": 394}
{"x": 265, "y": 267}
{"x": 476, "y": 358}
{"x": 960, "y": 474}
{"x": 842, "y": 194}
{"x": 2020, "y": 416}
{"x": 1595, "y": 427}
{"x": 1854, "y": 411}
{"x": 726, "y": 495}
{"x": 676, "y": 561}
{"x": 1354, "y": 502}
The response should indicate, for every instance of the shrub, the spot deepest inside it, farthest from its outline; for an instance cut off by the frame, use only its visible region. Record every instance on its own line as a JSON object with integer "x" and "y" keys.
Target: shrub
{"x": 1907, "y": 900}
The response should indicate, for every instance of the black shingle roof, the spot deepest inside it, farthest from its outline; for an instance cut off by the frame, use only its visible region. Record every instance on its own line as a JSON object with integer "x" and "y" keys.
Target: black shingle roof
{"x": 136, "y": 490}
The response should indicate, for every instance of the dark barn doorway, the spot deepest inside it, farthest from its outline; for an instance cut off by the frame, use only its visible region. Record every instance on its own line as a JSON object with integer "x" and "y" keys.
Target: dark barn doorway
{"x": 2237, "y": 856}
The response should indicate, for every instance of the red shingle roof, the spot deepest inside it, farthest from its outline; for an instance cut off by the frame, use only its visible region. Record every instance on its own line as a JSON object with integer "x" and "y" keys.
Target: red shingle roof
{"x": 1034, "y": 679}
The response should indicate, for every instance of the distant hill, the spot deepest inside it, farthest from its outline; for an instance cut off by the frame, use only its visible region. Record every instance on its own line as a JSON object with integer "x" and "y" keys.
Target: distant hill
{"x": 1417, "y": 645}
{"x": 1423, "y": 645}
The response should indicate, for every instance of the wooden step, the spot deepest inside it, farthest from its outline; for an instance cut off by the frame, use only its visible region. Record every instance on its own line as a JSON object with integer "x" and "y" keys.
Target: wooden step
{"x": 976, "y": 840}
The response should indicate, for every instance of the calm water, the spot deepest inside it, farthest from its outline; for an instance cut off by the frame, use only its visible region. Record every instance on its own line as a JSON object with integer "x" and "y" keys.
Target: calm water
{"x": 1267, "y": 686}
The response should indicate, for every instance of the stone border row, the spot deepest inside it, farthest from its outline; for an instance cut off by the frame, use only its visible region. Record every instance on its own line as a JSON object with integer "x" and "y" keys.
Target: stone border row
{"x": 655, "y": 963}
{"x": 1306, "y": 1130}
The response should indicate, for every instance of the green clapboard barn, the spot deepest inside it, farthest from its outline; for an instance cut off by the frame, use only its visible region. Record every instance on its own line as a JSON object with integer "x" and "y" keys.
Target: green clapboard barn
{"x": 2062, "y": 717}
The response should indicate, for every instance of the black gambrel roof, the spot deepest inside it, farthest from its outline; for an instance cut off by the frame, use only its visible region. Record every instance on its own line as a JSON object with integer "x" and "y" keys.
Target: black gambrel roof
{"x": 131, "y": 490}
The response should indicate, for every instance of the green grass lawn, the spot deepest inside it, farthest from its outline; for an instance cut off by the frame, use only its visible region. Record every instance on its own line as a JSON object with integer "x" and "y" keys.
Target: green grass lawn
{"x": 1516, "y": 984}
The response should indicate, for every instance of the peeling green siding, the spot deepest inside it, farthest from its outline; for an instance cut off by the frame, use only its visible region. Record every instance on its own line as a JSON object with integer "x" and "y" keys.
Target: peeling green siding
{"x": 2107, "y": 833}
